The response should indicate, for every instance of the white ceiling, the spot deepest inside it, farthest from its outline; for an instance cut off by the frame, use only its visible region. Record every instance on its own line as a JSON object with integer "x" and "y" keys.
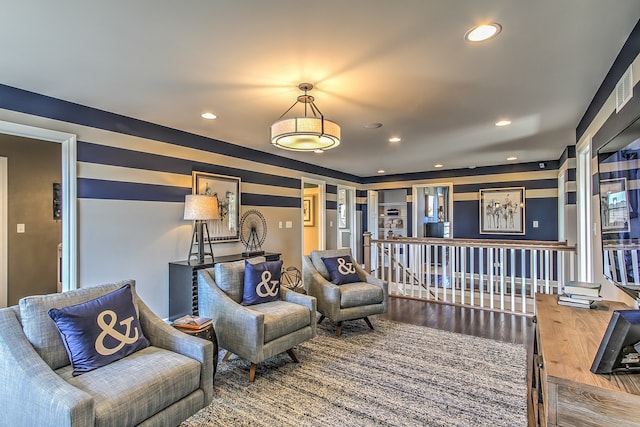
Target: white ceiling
{"x": 401, "y": 63}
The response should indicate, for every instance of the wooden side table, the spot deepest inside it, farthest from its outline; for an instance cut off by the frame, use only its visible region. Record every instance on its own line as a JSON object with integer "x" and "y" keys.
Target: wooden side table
{"x": 207, "y": 333}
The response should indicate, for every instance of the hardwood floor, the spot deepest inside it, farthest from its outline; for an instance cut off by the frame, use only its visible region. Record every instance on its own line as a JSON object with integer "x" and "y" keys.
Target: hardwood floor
{"x": 505, "y": 327}
{"x": 464, "y": 320}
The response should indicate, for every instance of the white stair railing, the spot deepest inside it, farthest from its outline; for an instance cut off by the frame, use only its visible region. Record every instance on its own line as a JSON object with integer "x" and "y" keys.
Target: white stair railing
{"x": 621, "y": 262}
{"x": 502, "y": 275}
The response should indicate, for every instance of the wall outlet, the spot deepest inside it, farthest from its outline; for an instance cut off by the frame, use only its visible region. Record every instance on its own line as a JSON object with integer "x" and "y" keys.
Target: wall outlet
{"x": 20, "y": 228}
{"x": 289, "y": 224}
{"x": 280, "y": 224}
{"x": 535, "y": 224}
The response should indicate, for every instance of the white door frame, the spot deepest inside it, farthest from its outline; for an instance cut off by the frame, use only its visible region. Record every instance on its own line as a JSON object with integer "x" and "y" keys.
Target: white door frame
{"x": 584, "y": 201}
{"x": 322, "y": 196}
{"x": 69, "y": 200}
{"x": 414, "y": 199}
{"x": 351, "y": 220}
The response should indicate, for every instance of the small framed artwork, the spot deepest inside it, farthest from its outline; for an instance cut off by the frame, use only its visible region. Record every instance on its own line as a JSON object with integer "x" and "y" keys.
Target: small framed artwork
{"x": 227, "y": 190}
{"x": 308, "y": 209}
{"x": 614, "y": 208}
{"x": 502, "y": 210}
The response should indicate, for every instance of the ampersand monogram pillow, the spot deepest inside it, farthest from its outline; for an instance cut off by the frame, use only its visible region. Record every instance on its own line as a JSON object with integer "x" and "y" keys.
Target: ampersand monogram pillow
{"x": 100, "y": 331}
{"x": 341, "y": 270}
{"x": 261, "y": 282}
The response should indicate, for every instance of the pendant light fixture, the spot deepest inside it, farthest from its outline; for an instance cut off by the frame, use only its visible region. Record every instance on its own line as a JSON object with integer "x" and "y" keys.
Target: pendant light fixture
{"x": 308, "y": 133}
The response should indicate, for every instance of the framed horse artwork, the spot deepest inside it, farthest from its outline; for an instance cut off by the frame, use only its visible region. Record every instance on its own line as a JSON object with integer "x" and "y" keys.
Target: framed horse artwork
{"x": 502, "y": 210}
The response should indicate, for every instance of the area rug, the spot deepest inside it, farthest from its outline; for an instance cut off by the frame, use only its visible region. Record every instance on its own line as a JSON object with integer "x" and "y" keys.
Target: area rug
{"x": 395, "y": 375}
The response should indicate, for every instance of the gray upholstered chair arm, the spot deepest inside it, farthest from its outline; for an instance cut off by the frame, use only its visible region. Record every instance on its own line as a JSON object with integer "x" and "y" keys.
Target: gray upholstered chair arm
{"x": 327, "y": 294}
{"x": 301, "y": 299}
{"x": 32, "y": 393}
{"x": 369, "y": 278}
{"x": 236, "y": 326}
{"x": 162, "y": 335}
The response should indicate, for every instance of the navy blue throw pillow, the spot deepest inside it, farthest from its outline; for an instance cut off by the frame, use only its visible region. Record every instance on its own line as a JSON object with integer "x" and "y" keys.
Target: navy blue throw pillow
{"x": 100, "y": 331}
{"x": 261, "y": 282}
{"x": 341, "y": 270}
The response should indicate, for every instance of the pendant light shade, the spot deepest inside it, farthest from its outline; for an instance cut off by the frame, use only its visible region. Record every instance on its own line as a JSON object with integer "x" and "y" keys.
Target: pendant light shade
{"x": 308, "y": 133}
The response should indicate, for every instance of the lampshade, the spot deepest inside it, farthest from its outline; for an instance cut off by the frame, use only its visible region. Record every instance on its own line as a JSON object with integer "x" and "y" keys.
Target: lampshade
{"x": 200, "y": 207}
{"x": 306, "y": 133}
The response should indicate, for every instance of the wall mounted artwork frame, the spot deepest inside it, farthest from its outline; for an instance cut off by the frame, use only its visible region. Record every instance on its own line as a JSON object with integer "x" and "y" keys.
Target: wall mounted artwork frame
{"x": 227, "y": 190}
{"x": 614, "y": 206}
{"x": 502, "y": 210}
{"x": 308, "y": 209}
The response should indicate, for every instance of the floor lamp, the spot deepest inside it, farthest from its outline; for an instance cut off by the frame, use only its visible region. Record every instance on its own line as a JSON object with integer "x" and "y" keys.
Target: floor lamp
{"x": 200, "y": 209}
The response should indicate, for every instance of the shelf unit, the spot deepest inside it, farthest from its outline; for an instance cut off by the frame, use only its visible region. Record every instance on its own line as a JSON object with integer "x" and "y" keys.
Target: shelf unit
{"x": 392, "y": 213}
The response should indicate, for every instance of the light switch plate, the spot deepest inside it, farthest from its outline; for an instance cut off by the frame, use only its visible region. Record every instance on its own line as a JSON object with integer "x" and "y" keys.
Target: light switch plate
{"x": 20, "y": 228}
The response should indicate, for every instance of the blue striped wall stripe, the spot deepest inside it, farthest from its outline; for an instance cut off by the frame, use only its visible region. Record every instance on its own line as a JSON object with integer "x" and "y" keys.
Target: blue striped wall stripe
{"x": 570, "y": 197}
{"x": 332, "y": 205}
{"x": 571, "y": 175}
{"x": 115, "y": 190}
{"x": 617, "y": 122}
{"x": 102, "y": 154}
{"x": 23, "y": 101}
{"x": 250, "y": 199}
{"x": 529, "y": 185}
{"x": 453, "y": 173}
{"x": 466, "y": 220}
{"x": 630, "y": 50}
{"x": 568, "y": 153}
{"x": 331, "y": 189}
{"x": 100, "y": 189}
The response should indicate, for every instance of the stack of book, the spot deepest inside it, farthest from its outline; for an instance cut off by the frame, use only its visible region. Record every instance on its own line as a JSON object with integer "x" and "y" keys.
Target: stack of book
{"x": 192, "y": 322}
{"x": 580, "y": 294}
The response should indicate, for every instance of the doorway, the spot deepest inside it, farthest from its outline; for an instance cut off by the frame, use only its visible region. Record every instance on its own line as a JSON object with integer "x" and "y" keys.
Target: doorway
{"x": 313, "y": 215}
{"x": 346, "y": 210}
{"x": 69, "y": 261}
{"x": 432, "y": 210}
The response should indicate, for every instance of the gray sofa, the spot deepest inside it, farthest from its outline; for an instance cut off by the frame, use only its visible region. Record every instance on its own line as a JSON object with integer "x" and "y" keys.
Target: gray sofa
{"x": 161, "y": 385}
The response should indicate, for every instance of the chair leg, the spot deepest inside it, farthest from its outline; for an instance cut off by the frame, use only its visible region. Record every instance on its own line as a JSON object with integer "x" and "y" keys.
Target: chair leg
{"x": 252, "y": 372}
{"x": 227, "y": 355}
{"x": 321, "y": 319}
{"x": 292, "y": 355}
{"x": 339, "y": 331}
{"x": 366, "y": 319}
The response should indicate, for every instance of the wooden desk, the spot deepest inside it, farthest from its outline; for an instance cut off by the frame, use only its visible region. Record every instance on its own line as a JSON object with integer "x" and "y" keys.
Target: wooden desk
{"x": 566, "y": 343}
{"x": 183, "y": 282}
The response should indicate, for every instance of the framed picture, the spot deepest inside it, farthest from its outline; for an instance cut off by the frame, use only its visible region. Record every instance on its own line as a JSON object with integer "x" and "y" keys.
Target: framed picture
{"x": 502, "y": 211}
{"x": 308, "y": 210}
{"x": 614, "y": 207}
{"x": 227, "y": 190}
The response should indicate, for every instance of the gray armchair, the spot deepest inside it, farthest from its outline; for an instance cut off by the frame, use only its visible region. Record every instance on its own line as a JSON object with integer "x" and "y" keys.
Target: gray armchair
{"x": 160, "y": 385}
{"x": 343, "y": 302}
{"x": 256, "y": 332}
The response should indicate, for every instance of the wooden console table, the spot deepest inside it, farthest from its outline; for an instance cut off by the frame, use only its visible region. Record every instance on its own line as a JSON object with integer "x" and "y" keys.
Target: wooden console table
{"x": 564, "y": 391}
{"x": 183, "y": 282}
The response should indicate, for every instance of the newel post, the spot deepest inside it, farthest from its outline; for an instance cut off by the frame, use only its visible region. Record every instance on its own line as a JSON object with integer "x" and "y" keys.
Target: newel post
{"x": 366, "y": 250}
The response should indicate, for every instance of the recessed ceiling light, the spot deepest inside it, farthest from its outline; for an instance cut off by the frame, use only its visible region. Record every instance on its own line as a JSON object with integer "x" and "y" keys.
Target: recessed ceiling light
{"x": 209, "y": 116}
{"x": 439, "y": 165}
{"x": 395, "y": 139}
{"x": 318, "y": 151}
{"x": 482, "y": 32}
{"x": 381, "y": 171}
{"x": 503, "y": 123}
{"x": 512, "y": 158}
{"x": 373, "y": 125}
